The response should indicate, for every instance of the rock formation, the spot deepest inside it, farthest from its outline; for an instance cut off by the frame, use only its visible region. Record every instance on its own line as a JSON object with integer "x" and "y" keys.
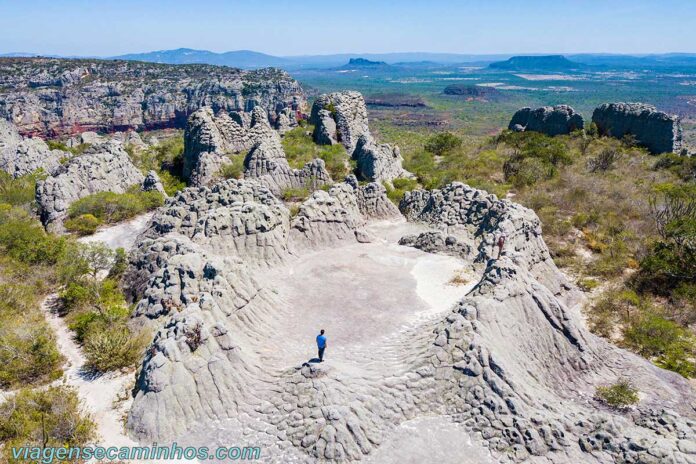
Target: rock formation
{"x": 52, "y": 97}
{"x": 209, "y": 139}
{"x": 655, "y": 130}
{"x": 102, "y": 168}
{"x": 549, "y": 120}
{"x": 266, "y": 162}
{"x": 379, "y": 162}
{"x": 341, "y": 117}
{"x": 521, "y": 364}
{"x": 22, "y": 155}
{"x": 152, "y": 183}
{"x": 348, "y": 112}
{"x": 191, "y": 275}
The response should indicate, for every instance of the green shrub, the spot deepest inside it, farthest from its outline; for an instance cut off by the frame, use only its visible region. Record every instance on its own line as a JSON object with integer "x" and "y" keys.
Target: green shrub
{"x": 300, "y": 149}
{"x": 588, "y": 284}
{"x": 295, "y": 194}
{"x": 85, "y": 224}
{"x": 110, "y": 207}
{"x": 112, "y": 348}
{"x": 620, "y": 395}
{"x": 235, "y": 169}
{"x": 24, "y": 239}
{"x": 443, "y": 143}
{"x": 53, "y": 417}
{"x": 18, "y": 191}
{"x": 165, "y": 158}
{"x": 28, "y": 352}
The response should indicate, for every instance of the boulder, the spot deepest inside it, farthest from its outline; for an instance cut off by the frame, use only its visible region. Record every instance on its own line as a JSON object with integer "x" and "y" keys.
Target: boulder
{"x": 655, "y": 130}
{"x": 378, "y": 162}
{"x": 286, "y": 120}
{"x": 20, "y": 156}
{"x": 102, "y": 168}
{"x": 152, "y": 182}
{"x": 549, "y": 120}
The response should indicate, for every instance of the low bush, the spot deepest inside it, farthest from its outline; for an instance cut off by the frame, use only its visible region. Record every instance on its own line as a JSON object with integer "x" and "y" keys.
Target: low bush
{"x": 235, "y": 169}
{"x": 24, "y": 239}
{"x": 398, "y": 187}
{"x": 300, "y": 149}
{"x": 442, "y": 143}
{"x": 295, "y": 194}
{"x": 53, "y": 417}
{"x": 18, "y": 191}
{"x": 167, "y": 159}
{"x": 620, "y": 395}
{"x": 85, "y": 224}
{"x": 109, "y": 348}
{"x": 110, "y": 207}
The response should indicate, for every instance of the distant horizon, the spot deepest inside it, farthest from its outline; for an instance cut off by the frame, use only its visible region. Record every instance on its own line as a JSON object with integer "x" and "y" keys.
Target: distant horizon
{"x": 330, "y": 54}
{"x": 312, "y": 27}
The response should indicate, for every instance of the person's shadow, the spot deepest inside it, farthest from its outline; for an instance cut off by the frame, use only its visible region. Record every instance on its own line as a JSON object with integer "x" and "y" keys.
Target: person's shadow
{"x": 312, "y": 361}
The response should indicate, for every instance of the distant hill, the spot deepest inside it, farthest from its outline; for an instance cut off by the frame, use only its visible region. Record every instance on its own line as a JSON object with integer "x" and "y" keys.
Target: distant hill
{"x": 245, "y": 59}
{"x": 536, "y": 63}
{"x": 474, "y": 92}
{"x": 363, "y": 63}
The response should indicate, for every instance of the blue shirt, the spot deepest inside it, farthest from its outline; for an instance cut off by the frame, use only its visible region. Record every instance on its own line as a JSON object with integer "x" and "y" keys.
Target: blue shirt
{"x": 321, "y": 341}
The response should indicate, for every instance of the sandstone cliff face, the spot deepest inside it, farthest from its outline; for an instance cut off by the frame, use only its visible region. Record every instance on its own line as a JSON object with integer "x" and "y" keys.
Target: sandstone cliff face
{"x": 102, "y": 168}
{"x": 655, "y": 130}
{"x": 341, "y": 117}
{"x": 549, "y": 120}
{"x": 22, "y": 155}
{"x": 57, "y": 96}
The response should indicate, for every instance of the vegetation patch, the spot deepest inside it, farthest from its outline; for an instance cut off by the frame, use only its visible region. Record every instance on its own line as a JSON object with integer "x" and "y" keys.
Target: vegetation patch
{"x": 165, "y": 158}
{"x": 620, "y": 395}
{"x": 53, "y": 417}
{"x": 110, "y": 208}
{"x": 300, "y": 149}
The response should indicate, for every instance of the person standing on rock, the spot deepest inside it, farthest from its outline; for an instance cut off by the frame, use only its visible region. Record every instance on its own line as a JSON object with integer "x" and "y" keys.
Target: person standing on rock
{"x": 321, "y": 344}
{"x": 501, "y": 244}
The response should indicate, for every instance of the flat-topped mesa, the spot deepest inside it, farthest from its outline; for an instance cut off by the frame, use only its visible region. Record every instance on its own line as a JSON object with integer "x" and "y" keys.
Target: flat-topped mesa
{"x": 102, "y": 168}
{"x": 341, "y": 117}
{"x": 52, "y": 97}
{"x": 549, "y": 120}
{"x": 657, "y": 131}
{"x": 20, "y": 156}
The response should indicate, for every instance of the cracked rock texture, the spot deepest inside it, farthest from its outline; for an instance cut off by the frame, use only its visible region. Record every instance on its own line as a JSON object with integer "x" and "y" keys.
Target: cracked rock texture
{"x": 20, "y": 156}
{"x": 378, "y": 162}
{"x": 102, "y": 168}
{"x": 549, "y": 120}
{"x": 657, "y": 131}
{"x": 50, "y": 96}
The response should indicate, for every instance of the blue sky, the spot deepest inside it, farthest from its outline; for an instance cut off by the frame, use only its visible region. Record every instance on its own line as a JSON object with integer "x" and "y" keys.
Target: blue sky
{"x": 284, "y": 27}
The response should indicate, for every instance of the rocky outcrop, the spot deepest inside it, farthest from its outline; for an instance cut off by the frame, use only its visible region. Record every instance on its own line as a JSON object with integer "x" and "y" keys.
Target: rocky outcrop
{"x": 655, "y": 130}
{"x": 266, "y": 162}
{"x": 286, "y": 121}
{"x": 437, "y": 242}
{"x": 192, "y": 276}
{"x": 339, "y": 117}
{"x": 522, "y": 367}
{"x": 378, "y": 162}
{"x": 152, "y": 183}
{"x": 210, "y": 139}
{"x": 372, "y": 199}
{"x": 549, "y": 120}
{"x": 20, "y": 156}
{"x": 103, "y": 168}
{"x": 52, "y": 97}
